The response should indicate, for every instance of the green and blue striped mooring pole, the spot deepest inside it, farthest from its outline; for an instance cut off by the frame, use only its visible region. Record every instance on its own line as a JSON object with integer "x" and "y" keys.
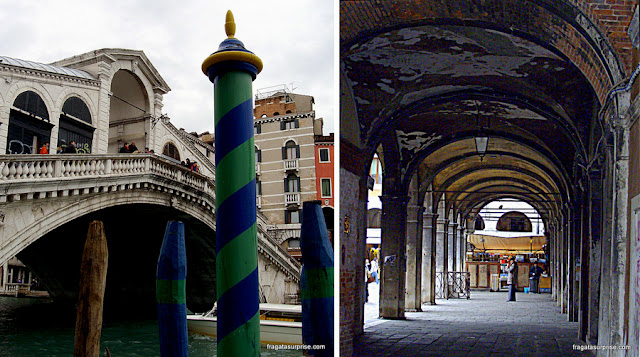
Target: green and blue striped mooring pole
{"x": 232, "y": 68}
{"x": 171, "y": 296}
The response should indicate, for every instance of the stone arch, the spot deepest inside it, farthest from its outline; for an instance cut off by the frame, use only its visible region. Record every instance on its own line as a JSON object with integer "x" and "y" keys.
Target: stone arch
{"x": 23, "y": 86}
{"x": 132, "y": 67}
{"x": 88, "y": 101}
{"x": 55, "y": 216}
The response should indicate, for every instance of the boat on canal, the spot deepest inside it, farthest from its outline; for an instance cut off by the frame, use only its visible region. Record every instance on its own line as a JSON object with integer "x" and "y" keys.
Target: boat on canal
{"x": 279, "y": 324}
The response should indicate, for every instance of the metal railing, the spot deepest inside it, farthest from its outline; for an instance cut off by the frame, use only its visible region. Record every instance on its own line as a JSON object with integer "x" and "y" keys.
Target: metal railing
{"x": 453, "y": 284}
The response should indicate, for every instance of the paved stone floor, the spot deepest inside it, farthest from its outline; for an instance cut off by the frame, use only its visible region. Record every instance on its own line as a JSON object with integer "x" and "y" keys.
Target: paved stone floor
{"x": 485, "y": 325}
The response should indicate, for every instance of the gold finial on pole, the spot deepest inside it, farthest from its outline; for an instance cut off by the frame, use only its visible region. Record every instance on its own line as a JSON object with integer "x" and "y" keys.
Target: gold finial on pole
{"x": 230, "y": 25}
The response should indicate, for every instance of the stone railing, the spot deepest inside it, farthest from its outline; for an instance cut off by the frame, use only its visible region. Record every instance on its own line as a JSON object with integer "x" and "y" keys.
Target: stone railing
{"x": 275, "y": 253}
{"x": 291, "y": 164}
{"x": 291, "y": 198}
{"x": 67, "y": 168}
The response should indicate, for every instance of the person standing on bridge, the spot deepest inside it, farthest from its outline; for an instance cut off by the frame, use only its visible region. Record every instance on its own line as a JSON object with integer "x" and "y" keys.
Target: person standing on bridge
{"x": 71, "y": 148}
{"x": 512, "y": 278}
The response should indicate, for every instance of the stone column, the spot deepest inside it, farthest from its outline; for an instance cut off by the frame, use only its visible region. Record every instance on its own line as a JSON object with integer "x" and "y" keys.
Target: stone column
{"x": 5, "y": 276}
{"x": 571, "y": 266}
{"x": 594, "y": 255}
{"x": 619, "y": 240}
{"x": 462, "y": 248}
{"x": 414, "y": 254}
{"x": 393, "y": 262}
{"x": 442, "y": 256}
{"x": 583, "y": 312}
{"x": 429, "y": 258}
{"x": 453, "y": 246}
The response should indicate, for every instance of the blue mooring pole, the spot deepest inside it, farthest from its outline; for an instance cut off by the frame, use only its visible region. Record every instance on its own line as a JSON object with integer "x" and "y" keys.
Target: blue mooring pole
{"x": 316, "y": 280}
{"x": 171, "y": 294}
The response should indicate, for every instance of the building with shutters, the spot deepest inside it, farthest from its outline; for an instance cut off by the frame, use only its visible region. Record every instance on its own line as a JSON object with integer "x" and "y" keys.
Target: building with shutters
{"x": 285, "y": 128}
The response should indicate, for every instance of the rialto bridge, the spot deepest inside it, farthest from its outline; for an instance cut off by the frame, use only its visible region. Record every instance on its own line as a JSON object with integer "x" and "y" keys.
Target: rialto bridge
{"x": 101, "y": 100}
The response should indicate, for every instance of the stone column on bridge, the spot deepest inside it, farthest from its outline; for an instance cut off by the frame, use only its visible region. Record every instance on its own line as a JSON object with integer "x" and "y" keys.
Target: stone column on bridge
{"x": 232, "y": 69}
{"x": 429, "y": 258}
{"x": 392, "y": 259}
{"x": 5, "y": 276}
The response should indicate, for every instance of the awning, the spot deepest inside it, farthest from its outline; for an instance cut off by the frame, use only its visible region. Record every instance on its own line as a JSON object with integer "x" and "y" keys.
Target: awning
{"x": 520, "y": 244}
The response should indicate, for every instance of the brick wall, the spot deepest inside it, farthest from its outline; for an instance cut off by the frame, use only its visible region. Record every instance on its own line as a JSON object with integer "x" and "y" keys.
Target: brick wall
{"x": 351, "y": 255}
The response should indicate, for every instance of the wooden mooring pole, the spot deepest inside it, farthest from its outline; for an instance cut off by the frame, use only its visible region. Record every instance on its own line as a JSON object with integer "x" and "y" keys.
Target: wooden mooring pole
{"x": 93, "y": 277}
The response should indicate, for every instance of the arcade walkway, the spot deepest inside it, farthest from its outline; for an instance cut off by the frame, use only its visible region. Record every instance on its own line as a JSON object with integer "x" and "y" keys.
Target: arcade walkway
{"x": 485, "y": 325}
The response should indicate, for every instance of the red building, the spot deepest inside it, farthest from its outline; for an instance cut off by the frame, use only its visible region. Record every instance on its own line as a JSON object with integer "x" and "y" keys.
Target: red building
{"x": 325, "y": 184}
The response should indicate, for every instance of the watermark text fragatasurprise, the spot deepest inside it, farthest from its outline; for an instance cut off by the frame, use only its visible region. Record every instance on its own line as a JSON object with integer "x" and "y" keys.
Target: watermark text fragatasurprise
{"x": 295, "y": 347}
{"x": 600, "y": 347}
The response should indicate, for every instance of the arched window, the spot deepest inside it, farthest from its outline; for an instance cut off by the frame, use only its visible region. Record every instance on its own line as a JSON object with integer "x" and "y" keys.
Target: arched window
{"x": 292, "y": 183}
{"x": 290, "y": 151}
{"x": 276, "y": 113}
{"x": 288, "y": 112}
{"x": 294, "y": 243}
{"x": 75, "y": 125}
{"x": 32, "y": 103}
{"x": 258, "y": 154}
{"x": 29, "y": 126}
{"x": 76, "y": 108}
{"x": 171, "y": 151}
{"x": 514, "y": 222}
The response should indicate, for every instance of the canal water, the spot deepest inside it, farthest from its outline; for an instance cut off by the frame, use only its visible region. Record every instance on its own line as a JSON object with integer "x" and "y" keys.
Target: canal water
{"x": 38, "y": 327}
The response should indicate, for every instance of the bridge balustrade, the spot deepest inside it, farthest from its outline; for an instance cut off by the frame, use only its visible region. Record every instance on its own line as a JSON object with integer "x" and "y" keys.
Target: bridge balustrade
{"x": 44, "y": 167}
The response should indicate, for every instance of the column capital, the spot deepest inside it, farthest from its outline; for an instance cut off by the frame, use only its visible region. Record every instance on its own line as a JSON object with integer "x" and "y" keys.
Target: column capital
{"x": 429, "y": 215}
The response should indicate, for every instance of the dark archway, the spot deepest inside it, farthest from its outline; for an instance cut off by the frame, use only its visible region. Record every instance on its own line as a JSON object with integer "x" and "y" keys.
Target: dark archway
{"x": 134, "y": 236}
{"x": 76, "y": 125}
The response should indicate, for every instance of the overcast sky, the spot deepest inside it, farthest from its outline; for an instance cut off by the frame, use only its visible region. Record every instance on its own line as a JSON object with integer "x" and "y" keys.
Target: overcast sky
{"x": 294, "y": 39}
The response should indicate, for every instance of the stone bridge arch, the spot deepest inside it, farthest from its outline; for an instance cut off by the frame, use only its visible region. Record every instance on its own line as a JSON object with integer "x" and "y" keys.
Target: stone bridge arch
{"x": 47, "y": 202}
